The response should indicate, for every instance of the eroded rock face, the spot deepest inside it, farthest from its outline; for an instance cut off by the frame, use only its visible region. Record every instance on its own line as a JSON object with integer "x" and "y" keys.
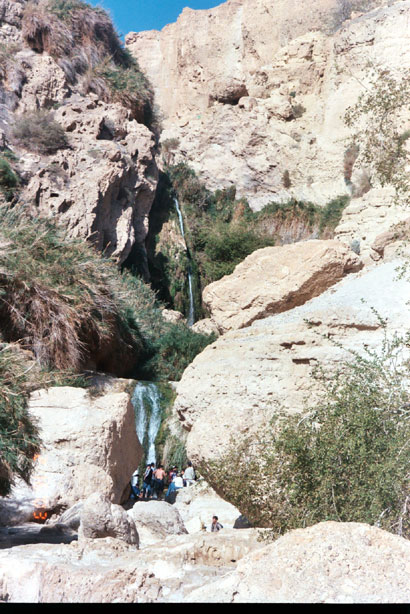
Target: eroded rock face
{"x": 275, "y": 279}
{"x": 331, "y": 562}
{"x": 102, "y": 187}
{"x": 253, "y": 89}
{"x": 89, "y": 444}
{"x": 240, "y": 381}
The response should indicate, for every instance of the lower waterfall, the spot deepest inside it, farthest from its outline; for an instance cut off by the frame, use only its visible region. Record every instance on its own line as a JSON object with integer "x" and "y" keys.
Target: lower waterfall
{"x": 146, "y": 400}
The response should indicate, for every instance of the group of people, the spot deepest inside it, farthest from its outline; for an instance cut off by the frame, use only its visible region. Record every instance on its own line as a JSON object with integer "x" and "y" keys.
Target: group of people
{"x": 155, "y": 479}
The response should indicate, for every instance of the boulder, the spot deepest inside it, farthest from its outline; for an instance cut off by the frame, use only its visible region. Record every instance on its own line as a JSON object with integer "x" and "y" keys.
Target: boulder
{"x": 239, "y": 382}
{"x": 199, "y": 502}
{"x": 159, "y": 517}
{"x": 330, "y": 562}
{"x": 276, "y": 279}
{"x": 88, "y": 444}
{"x": 371, "y": 222}
{"x": 205, "y": 327}
{"x": 99, "y": 518}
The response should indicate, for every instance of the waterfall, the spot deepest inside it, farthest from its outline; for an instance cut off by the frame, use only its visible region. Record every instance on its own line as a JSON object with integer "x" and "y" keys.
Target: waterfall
{"x": 191, "y": 312}
{"x": 147, "y": 405}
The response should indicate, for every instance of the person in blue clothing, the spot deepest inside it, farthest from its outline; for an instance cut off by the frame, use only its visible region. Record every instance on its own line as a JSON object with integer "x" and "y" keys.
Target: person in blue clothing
{"x": 147, "y": 481}
{"x": 135, "y": 490}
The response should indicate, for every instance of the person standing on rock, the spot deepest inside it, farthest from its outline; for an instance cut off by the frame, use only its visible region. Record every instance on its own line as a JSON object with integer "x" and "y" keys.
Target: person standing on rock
{"x": 215, "y": 526}
{"x": 147, "y": 480}
{"x": 159, "y": 475}
{"x": 189, "y": 474}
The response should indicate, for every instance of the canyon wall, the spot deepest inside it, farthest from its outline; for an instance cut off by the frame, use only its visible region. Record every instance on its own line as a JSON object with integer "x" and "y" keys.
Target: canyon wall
{"x": 256, "y": 91}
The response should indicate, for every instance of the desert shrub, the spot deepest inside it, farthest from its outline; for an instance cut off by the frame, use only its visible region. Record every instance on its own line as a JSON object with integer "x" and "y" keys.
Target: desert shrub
{"x": 38, "y": 131}
{"x": 126, "y": 84}
{"x": 57, "y": 296}
{"x": 346, "y": 459}
{"x": 286, "y": 182}
{"x": 298, "y": 110}
{"x": 330, "y": 214}
{"x": 9, "y": 181}
{"x": 376, "y": 119}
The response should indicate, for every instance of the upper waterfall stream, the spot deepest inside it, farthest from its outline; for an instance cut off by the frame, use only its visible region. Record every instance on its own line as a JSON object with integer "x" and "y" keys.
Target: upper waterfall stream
{"x": 191, "y": 312}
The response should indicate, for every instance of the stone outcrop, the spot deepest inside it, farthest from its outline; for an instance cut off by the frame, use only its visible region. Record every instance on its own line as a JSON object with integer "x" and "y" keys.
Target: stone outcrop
{"x": 102, "y": 185}
{"x": 255, "y": 90}
{"x": 376, "y": 214}
{"x": 327, "y": 563}
{"x": 100, "y": 518}
{"x": 108, "y": 570}
{"x": 331, "y": 562}
{"x": 245, "y": 377}
{"x": 88, "y": 445}
{"x": 159, "y": 517}
{"x": 101, "y": 188}
{"x": 275, "y": 279}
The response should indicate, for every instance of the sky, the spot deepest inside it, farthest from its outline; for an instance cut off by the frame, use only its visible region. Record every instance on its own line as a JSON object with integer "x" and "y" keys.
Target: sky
{"x": 137, "y": 15}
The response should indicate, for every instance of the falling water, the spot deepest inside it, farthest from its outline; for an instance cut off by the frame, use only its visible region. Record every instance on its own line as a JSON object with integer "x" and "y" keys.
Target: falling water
{"x": 191, "y": 312}
{"x": 146, "y": 401}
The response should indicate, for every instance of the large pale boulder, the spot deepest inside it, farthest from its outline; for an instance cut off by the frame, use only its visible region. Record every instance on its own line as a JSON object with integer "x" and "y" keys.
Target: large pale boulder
{"x": 199, "y": 502}
{"x": 88, "y": 444}
{"x": 330, "y": 562}
{"x": 239, "y": 382}
{"x": 100, "y": 518}
{"x": 159, "y": 517}
{"x": 276, "y": 279}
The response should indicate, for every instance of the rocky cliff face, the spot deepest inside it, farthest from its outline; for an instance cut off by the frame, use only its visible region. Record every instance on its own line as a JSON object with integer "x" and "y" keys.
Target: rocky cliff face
{"x": 256, "y": 91}
{"x": 102, "y": 183}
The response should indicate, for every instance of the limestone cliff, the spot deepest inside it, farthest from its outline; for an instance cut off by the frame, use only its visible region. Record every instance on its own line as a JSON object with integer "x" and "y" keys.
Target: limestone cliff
{"x": 256, "y": 91}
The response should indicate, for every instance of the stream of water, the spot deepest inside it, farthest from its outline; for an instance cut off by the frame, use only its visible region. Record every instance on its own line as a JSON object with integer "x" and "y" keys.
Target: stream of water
{"x": 191, "y": 312}
{"x": 146, "y": 401}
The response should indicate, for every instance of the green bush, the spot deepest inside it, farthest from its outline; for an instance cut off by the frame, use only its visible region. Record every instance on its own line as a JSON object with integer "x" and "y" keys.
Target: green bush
{"x": 347, "y": 459}
{"x": 19, "y": 440}
{"x": 170, "y": 353}
{"x": 224, "y": 246}
{"x": 38, "y": 131}
{"x": 9, "y": 181}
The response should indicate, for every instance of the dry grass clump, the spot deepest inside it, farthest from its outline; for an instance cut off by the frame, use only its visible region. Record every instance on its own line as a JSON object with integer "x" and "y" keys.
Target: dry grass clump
{"x": 38, "y": 131}
{"x": 83, "y": 41}
{"x": 58, "y": 298}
